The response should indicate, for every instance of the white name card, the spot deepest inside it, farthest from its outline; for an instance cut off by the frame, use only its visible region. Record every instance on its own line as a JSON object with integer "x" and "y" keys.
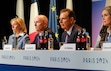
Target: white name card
{"x": 68, "y": 47}
{"x": 7, "y": 47}
{"x": 30, "y": 47}
{"x": 106, "y": 46}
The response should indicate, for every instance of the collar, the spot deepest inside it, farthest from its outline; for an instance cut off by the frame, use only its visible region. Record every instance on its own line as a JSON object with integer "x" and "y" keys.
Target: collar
{"x": 20, "y": 34}
{"x": 69, "y": 31}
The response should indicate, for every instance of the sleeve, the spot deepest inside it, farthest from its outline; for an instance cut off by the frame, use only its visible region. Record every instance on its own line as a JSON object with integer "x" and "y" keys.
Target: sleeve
{"x": 23, "y": 41}
{"x": 10, "y": 40}
{"x": 27, "y": 40}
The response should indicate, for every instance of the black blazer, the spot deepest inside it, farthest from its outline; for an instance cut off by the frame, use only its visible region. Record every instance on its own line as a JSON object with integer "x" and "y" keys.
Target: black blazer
{"x": 56, "y": 43}
{"x": 73, "y": 35}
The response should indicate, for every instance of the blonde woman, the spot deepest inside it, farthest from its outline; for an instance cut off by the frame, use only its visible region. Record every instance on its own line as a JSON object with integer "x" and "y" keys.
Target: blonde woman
{"x": 19, "y": 37}
{"x": 105, "y": 32}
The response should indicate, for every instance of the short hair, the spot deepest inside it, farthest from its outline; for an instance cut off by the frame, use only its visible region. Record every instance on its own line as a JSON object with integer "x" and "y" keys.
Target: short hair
{"x": 20, "y": 22}
{"x": 71, "y": 12}
{"x": 44, "y": 18}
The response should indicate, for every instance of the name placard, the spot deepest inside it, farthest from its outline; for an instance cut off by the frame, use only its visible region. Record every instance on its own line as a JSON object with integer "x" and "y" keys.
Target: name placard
{"x": 30, "y": 47}
{"x": 68, "y": 47}
{"x": 106, "y": 46}
{"x": 7, "y": 47}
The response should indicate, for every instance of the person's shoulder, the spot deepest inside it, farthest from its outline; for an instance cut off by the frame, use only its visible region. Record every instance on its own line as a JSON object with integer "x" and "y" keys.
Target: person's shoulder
{"x": 26, "y": 35}
{"x": 49, "y": 30}
{"x": 77, "y": 26}
{"x": 32, "y": 36}
{"x": 63, "y": 32}
{"x": 12, "y": 35}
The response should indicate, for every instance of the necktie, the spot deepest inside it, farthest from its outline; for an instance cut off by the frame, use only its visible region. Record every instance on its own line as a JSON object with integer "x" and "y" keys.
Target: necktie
{"x": 66, "y": 39}
{"x": 38, "y": 43}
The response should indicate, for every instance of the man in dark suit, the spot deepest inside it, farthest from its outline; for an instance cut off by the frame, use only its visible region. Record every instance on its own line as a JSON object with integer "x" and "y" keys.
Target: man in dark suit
{"x": 67, "y": 22}
{"x": 41, "y": 26}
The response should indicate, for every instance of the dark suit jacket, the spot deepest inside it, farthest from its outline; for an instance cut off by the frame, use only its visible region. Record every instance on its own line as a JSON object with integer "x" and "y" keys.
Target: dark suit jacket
{"x": 56, "y": 44}
{"x": 73, "y": 35}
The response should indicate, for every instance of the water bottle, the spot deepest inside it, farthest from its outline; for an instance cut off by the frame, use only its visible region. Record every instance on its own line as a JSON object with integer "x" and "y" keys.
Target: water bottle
{"x": 83, "y": 39}
{"x": 50, "y": 42}
{"x": 88, "y": 41}
{"x": 78, "y": 40}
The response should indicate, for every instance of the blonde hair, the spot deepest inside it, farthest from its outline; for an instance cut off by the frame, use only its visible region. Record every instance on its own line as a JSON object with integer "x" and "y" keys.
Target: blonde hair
{"x": 21, "y": 23}
{"x": 108, "y": 8}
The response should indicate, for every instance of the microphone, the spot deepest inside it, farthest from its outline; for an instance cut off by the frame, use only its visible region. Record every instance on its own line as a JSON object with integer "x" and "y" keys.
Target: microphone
{"x": 45, "y": 40}
{"x": 4, "y": 41}
{"x": 46, "y": 33}
{"x": 83, "y": 31}
{"x": 41, "y": 34}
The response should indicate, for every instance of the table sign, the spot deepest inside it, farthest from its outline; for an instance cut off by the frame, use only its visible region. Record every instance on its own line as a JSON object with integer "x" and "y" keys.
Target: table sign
{"x": 68, "y": 47}
{"x": 30, "y": 47}
{"x": 7, "y": 47}
{"x": 106, "y": 46}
